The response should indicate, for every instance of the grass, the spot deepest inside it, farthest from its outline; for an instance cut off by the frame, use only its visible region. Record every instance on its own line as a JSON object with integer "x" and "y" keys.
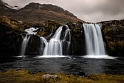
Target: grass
{"x": 23, "y": 76}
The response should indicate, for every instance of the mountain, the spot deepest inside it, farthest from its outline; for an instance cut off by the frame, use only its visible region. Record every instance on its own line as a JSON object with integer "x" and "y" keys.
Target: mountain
{"x": 36, "y": 13}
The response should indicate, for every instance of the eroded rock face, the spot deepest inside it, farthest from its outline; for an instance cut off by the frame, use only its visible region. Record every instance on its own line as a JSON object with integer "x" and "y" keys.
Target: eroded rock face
{"x": 78, "y": 39}
{"x": 33, "y": 47}
{"x": 10, "y": 38}
{"x": 113, "y": 33}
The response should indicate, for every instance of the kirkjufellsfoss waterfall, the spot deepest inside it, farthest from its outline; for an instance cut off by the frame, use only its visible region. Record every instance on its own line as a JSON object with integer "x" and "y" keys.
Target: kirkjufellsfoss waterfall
{"x": 94, "y": 41}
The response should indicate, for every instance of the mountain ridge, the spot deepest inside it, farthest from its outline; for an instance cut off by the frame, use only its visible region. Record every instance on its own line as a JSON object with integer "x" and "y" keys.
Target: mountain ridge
{"x": 36, "y": 13}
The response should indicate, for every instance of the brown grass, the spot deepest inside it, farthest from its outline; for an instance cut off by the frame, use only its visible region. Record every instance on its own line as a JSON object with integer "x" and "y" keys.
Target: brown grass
{"x": 23, "y": 76}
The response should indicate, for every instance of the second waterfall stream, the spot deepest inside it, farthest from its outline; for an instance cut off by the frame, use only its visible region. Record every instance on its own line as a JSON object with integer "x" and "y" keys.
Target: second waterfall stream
{"x": 56, "y": 45}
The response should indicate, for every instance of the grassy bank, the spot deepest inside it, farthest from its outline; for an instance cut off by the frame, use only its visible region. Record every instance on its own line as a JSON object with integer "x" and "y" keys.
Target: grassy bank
{"x": 23, "y": 76}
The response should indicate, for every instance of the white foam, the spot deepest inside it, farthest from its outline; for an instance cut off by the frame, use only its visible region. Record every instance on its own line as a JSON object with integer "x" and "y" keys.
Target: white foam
{"x": 51, "y": 56}
{"x": 21, "y": 56}
{"x": 99, "y": 56}
{"x": 31, "y": 30}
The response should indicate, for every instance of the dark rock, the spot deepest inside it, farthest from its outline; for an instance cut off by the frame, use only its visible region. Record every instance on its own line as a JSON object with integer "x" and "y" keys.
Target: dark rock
{"x": 10, "y": 38}
{"x": 81, "y": 73}
{"x": 33, "y": 46}
{"x": 113, "y": 33}
{"x": 78, "y": 39}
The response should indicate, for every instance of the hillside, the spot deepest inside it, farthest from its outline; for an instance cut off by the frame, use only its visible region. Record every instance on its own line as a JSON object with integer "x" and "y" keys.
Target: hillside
{"x": 38, "y": 13}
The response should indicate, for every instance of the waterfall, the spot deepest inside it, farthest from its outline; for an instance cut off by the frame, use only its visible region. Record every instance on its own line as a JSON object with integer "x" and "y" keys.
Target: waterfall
{"x": 30, "y": 31}
{"x": 43, "y": 44}
{"x": 56, "y": 45}
{"x": 24, "y": 44}
{"x": 59, "y": 44}
{"x": 94, "y": 40}
{"x": 67, "y": 40}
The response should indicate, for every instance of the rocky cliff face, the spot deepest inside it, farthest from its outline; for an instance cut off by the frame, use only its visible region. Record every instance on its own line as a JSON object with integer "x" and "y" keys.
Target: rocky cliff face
{"x": 113, "y": 33}
{"x": 10, "y": 38}
{"x": 78, "y": 39}
{"x": 11, "y": 32}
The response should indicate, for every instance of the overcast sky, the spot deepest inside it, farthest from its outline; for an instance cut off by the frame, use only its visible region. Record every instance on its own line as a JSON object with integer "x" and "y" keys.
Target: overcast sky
{"x": 87, "y": 10}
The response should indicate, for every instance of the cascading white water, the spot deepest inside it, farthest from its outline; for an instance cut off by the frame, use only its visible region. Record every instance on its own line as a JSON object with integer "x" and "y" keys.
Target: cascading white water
{"x": 55, "y": 45}
{"x": 26, "y": 39}
{"x": 31, "y": 30}
{"x": 24, "y": 45}
{"x": 94, "y": 40}
{"x": 67, "y": 34}
{"x": 66, "y": 40}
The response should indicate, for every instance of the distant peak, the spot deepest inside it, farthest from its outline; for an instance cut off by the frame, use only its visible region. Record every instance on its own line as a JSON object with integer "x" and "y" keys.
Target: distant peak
{"x": 1, "y": 2}
{"x": 5, "y": 5}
